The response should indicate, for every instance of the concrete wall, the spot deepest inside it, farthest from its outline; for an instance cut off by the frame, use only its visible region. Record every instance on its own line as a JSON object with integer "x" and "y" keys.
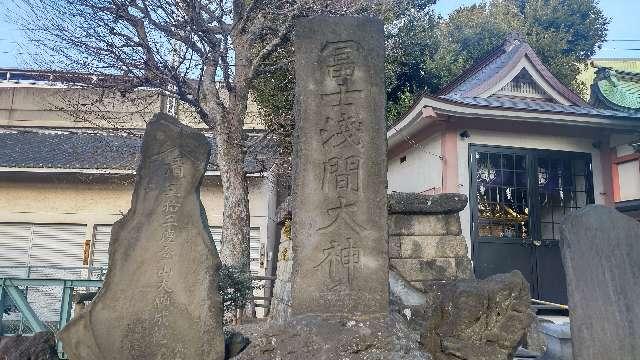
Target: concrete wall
{"x": 73, "y": 201}
{"x": 629, "y": 179}
{"x": 48, "y": 106}
{"x": 54, "y": 106}
{"x": 422, "y": 170}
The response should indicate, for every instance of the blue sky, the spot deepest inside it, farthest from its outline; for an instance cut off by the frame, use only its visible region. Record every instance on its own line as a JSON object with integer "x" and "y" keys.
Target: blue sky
{"x": 623, "y": 14}
{"x": 624, "y": 25}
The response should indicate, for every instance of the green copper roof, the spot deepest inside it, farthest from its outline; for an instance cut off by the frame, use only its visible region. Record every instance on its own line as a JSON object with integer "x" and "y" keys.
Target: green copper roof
{"x": 615, "y": 89}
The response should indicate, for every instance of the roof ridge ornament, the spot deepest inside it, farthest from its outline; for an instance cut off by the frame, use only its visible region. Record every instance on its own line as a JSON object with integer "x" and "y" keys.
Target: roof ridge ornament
{"x": 512, "y": 40}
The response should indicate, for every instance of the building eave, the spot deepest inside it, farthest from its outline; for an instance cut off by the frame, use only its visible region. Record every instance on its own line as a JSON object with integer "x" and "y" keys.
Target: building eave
{"x": 106, "y": 172}
{"x": 414, "y": 120}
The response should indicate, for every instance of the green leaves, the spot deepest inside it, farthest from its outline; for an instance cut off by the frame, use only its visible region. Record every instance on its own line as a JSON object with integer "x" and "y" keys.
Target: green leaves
{"x": 424, "y": 51}
{"x": 235, "y": 287}
{"x": 426, "y": 54}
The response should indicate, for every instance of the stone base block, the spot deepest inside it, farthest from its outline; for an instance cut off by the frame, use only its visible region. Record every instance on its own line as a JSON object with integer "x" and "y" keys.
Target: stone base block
{"x": 427, "y": 247}
{"x": 414, "y": 270}
{"x": 433, "y": 225}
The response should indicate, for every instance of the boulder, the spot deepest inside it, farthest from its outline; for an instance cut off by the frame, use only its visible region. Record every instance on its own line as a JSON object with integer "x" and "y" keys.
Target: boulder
{"x": 39, "y": 346}
{"x": 479, "y": 319}
{"x": 234, "y": 344}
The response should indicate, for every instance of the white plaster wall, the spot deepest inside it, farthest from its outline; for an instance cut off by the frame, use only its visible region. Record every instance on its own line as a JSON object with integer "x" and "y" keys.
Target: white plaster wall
{"x": 59, "y": 107}
{"x": 623, "y": 150}
{"x": 522, "y": 140}
{"x": 629, "y": 175}
{"x": 421, "y": 171}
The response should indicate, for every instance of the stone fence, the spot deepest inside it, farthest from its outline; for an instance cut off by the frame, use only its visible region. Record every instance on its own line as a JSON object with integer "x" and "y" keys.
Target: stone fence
{"x": 426, "y": 246}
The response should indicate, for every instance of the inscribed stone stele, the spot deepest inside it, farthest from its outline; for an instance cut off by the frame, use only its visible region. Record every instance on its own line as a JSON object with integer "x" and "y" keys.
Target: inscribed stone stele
{"x": 160, "y": 297}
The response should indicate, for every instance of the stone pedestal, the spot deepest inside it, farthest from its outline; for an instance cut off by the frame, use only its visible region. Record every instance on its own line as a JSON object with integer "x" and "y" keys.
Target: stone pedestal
{"x": 425, "y": 232}
{"x": 426, "y": 246}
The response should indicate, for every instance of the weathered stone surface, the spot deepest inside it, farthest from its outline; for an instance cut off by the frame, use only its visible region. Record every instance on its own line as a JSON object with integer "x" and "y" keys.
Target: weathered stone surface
{"x": 601, "y": 255}
{"x": 281, "y": 302}
{"x": 432, "y": 269}
{"x": 558, "y": 341}
{"x": 427, "y": 247}
{"x": 433, "y": 225}
{"x": 535, "y": 339}
{"x": 40, "y": 346}
{"x": 160, "y": 297}
{"x": 415, "y": 203}
{"x": 317, "y": 338}
{"x": 283, "y": 212}
{"x": 339, "y": 208}
{"x": 479, "y": 320}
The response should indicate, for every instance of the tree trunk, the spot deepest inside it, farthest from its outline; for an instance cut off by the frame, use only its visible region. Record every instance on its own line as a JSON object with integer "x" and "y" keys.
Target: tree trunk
{"x": 226, "y": 118}
{"x": 235, "y": 222}
{"x": 231, "y": 156}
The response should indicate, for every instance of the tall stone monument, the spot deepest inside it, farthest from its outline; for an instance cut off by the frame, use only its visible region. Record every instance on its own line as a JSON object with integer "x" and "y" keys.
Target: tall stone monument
{"x": 160, "y": 297}
{"x": 339, "y": 207}
{"x": 601, "y": 256}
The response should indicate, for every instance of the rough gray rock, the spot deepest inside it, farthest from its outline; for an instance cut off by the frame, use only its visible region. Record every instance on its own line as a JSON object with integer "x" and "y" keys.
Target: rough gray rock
{"x": 414, "y": 203}
{"x": 234, "y": 344}
{"x": 160, "y": 297}
{"x": 479, "y": 320}
{"x": 317, "y": 338}
{"x": 339, "y": 223}
{"x": 535, "y": 339}
{"x": 40, "y": 346}
{"x": 601, "y": 256}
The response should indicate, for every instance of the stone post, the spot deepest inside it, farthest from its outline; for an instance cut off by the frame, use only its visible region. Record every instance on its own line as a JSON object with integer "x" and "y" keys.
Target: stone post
{"x": 339, "y": 222}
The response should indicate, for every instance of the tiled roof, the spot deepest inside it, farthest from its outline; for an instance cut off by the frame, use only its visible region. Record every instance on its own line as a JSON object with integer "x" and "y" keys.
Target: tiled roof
{"x": 617, "y": 90}
{"x": 494, "y": 67}
{"x": 497, "y": 64}
{"x": 101, "y": 150}
{"x": 542, "y": 106}
{"x": 484, "y": 74}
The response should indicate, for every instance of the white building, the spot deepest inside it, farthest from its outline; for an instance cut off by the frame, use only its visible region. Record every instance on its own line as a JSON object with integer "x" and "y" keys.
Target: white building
{"x": 525, "y": 149}
{"x": 65, "y": 179}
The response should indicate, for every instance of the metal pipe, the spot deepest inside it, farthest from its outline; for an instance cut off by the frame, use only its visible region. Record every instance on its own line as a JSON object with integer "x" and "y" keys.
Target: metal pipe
{"x": 563, "y": 307}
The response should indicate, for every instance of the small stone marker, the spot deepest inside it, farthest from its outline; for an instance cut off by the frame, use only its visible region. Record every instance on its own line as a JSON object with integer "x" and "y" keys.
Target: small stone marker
{"x": 339, "y": 193}
{"x": 601, "y": 256}
{"x": 160, "y": 297}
